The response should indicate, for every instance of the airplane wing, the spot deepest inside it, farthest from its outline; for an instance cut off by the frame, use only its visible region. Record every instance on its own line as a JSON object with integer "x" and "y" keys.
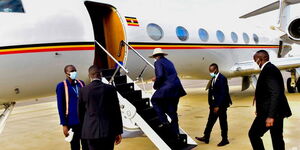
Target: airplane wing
{"x": 248, "y": 68}
{"x": 268, "y": 8}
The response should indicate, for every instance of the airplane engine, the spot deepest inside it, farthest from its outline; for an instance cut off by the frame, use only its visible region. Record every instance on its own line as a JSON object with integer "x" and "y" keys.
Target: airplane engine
{"x": 293, "y": 29}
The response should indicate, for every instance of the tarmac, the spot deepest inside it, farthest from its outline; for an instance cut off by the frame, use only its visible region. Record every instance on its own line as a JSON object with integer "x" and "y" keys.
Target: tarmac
{"x": 34, "y": 124}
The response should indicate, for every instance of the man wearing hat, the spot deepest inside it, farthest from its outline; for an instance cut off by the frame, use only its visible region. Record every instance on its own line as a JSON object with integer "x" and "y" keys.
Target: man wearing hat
{"x": 168, "y": 90}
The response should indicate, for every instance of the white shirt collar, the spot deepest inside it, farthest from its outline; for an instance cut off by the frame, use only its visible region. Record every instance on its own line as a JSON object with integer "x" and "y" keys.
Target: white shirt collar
{"x": 215, "y": 79}
{"x": 96, "y": 79}
{"x": 262, "y": 67}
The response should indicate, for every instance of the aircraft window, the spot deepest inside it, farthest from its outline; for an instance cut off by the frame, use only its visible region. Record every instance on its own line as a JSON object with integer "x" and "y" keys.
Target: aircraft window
{"x": 234, "y": 37}
{"x": 11, "y": 6}
{"x": 255, "y": 38}
{"x": 246, "y": 38}
{"x": 220, "y": 36}
{"x": 182, "y": 33}
{"x": 203, "y": 34}
{"x": 154, "y": 31}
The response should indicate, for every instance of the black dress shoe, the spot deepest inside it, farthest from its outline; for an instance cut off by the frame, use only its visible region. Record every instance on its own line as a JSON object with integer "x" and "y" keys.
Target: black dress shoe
{"x": 223, "y": 143}
{"x": 203, "y": 139}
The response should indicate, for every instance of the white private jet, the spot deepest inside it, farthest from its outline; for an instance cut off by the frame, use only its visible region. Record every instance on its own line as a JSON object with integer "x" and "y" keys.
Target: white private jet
{"x": 39, "y": 37}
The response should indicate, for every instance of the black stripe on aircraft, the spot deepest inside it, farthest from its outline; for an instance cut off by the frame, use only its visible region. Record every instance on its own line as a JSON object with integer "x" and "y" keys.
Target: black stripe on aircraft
{"x": 47, "y": 44}
{"x": 152, "y": 43}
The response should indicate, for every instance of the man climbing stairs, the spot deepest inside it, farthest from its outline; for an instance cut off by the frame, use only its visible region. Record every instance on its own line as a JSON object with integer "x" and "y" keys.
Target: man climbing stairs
{"x": 145, "y": 117}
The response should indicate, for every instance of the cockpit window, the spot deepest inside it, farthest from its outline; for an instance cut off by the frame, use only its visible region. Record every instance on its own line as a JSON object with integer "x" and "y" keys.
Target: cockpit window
{"x": 11, "y": 6}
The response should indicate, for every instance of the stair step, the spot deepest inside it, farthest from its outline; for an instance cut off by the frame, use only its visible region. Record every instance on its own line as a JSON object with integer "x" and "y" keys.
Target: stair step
{"x": 170, "y": 138}
{"x": 120, "y": 79}
{"x": 109, "y": 72}
{"x": 132, "y": 95}
{"x": 141, "y": 104}
{"x": 125, "y": 87}
{"x": 148, "y": 113}
{"x": 154, "y": 123}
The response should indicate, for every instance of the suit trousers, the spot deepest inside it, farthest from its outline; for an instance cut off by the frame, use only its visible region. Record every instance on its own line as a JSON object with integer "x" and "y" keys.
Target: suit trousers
{"x": 167, "y": 106}
{"x": 258, "y": 129}
{"x": 212, "y": 118}
{"x": 101, "y": 143}
{"x": 75, "y": 143}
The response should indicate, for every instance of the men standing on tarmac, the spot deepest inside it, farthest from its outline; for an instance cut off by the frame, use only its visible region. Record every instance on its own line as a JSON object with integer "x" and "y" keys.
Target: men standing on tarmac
{"x": 67, "y": 93}
{"x": 219, "y": 100}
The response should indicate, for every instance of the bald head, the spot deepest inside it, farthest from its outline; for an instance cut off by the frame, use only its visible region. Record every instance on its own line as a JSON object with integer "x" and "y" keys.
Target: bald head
{"x": 213, "y": 68}
{"x": 94, "y": 72}
{"x": 261, "y": 57}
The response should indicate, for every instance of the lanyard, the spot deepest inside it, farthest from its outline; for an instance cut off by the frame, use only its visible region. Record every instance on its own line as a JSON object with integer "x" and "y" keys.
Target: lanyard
{"x": 76, "y": 90}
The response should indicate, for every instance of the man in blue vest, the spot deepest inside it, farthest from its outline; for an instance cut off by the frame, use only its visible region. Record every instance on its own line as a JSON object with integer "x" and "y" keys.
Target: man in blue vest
{"x": 168, "y": 90}
{"x": 67, "y": 93}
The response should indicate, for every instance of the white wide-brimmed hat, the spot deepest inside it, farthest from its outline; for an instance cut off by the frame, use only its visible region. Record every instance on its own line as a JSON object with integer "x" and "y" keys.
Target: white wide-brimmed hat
{"x": 157, "y": 51}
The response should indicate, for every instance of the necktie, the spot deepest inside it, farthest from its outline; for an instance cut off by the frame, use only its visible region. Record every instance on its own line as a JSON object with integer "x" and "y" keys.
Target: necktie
{"x": 209, "y": 84}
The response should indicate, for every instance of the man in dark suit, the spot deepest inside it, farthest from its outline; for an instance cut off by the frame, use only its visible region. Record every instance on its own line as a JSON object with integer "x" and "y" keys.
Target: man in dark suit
{"x": 168, "y": 90}
{"x": 271, "y": 104}
{"x": 99, "y": 113}
{"x": 219, "y": 100}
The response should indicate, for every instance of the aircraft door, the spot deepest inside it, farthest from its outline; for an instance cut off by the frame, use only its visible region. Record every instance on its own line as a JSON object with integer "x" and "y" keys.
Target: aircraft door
{"x": 109, "y": 32}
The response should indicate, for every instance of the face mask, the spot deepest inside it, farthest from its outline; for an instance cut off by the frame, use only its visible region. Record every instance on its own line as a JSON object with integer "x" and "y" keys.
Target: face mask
{"x": 73, "y": 75}
{"x": 212, "y": 75}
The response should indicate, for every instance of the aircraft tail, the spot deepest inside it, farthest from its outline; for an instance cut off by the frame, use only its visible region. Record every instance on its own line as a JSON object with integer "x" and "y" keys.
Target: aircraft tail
{"x": 284, "y": 12}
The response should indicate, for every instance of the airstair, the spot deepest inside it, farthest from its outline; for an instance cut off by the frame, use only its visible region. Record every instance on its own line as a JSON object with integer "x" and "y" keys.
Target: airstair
{"x": 136, "y": 108}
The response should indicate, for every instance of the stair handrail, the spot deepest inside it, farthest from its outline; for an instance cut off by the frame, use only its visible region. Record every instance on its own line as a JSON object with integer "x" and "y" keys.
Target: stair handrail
{"x": 137, "y": 53}
{"x": 113, "y": 76}
{"x": 112, "y": 57}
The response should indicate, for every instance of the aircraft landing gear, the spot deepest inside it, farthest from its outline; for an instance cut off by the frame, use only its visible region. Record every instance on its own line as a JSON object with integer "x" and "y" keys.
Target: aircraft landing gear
{"x": 8, "y": 107}
{"x": 298, "y": 84}
{"x": 291, "y": 82}
{"x": 290, "y": 88}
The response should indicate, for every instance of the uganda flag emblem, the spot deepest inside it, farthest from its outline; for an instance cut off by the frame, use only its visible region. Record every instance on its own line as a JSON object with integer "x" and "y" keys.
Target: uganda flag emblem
{"x": 132, "y": 21}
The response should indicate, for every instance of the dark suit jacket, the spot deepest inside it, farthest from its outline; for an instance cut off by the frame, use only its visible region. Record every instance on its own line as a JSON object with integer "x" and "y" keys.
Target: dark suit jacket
{"x": 270, "y": 98}
{"x": 167, "y": 84}
{"x": 99, "y": 111}
{"x": 218, "y": 93}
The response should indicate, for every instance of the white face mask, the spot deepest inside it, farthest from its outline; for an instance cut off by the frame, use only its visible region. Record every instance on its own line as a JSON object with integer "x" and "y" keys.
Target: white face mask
{"x": 212, "y": 75}
{"x": 73, "y": 75}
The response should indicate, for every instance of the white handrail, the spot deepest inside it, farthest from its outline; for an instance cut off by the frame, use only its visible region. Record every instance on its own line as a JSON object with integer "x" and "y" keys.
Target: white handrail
{"x": 139, "y": 55}
{"x": 112, "y": 57}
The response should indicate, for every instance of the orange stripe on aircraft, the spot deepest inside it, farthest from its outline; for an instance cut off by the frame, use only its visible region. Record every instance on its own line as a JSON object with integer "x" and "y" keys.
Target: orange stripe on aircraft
{"x": 47, "y": 49}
